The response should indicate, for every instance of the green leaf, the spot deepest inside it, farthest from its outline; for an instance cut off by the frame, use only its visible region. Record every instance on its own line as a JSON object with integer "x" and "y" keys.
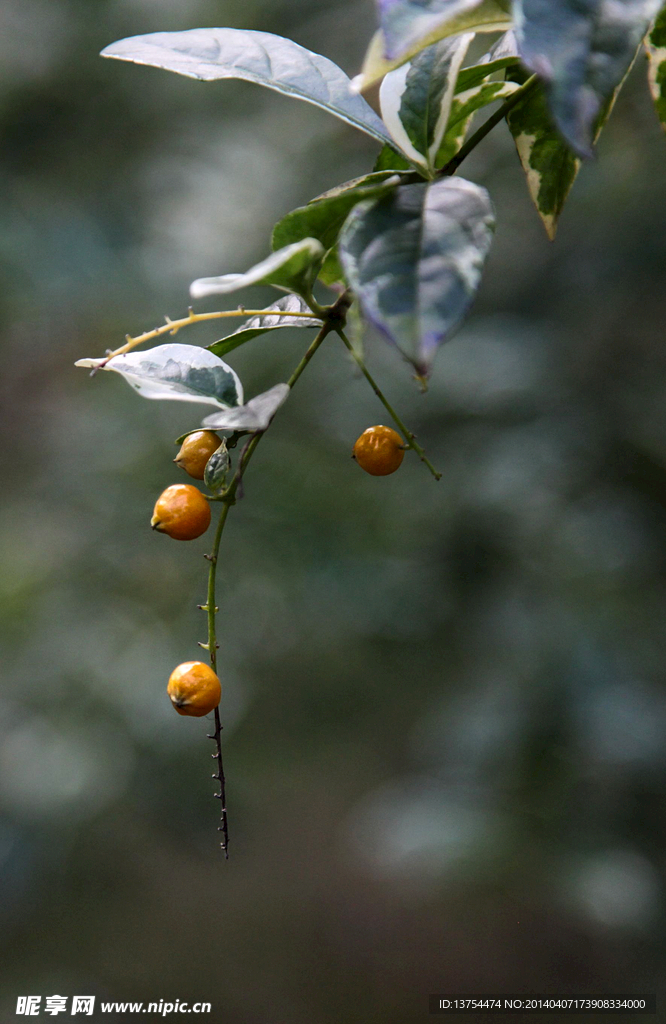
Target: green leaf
{"x": 655, "y": 45}
{"x": 550, "y": 166}
{"x": 414, "y": 260}
{"x": 463, "y": 109}
{"x": 331, "y": 272}
{"x": 277, "y": 63}
{"x": 323, "y": 217}
{"x": 415, "y": 99}
{"x": 217, "y": 467}
{"x": 390, "y": 160}
{"x": 256, "y": 415}
{"x": 182, "y": 373}
{"x": 409, "y": 26}
{"x": 582, "y": 51}
{"x": 262, "y": 324}
{"x": 293, "y": 268}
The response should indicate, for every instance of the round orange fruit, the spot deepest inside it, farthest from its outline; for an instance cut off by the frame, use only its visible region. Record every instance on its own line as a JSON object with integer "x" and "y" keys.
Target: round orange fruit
{"x": 195, "y": 452}
{"x": 194, "y": 689}
{"x": 182, "y": 512}
{"x": 379, "y": 451}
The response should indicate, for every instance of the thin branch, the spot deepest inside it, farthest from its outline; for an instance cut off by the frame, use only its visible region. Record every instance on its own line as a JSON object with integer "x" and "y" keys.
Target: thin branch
{"x": 407, "y": 434}
{"x": 173, "y": 326}
{"x": 228, "y": 498}
{"x": 210, "y": 608}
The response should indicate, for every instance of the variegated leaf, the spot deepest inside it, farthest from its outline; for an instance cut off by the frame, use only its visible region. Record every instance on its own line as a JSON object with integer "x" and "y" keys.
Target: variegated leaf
{"x": 414, "y": 258}
{"x": 409, "y": 26}
{"x": 183, "y": 373}
{"x": 415, "y": 99}
{"x": 256, "y": 415}
{"x": 582, "y": 51}
{"x": 292, "y": 268}
{"x": 262, "y": 324}
{"x": 550, "y": 166}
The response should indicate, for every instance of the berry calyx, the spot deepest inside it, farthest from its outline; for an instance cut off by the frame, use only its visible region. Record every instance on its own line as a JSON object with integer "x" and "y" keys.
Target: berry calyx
{"x": 194, "y": 689}
{"x": 195, "y": 452}
{"x": 379, "y": 451}
{"x": 182, "y": 512}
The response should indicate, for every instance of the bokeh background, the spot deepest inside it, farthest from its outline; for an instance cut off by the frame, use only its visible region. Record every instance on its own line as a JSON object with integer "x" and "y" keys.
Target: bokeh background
{"x": 444, "y": 704}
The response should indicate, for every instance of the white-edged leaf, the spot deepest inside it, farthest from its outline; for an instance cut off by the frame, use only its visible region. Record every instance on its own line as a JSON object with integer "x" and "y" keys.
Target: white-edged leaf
{"x": 428, "y": 23}
{"x": 292, "y": 268}
{"x": 183, "y": 373}
{"x": 550, "y": 165}
{"x": 463, "y": 108}
{"x": 582, "y": 51}
{"x": 415, "y": 99}
{"x": 262, "y": 324}
{"x": 269, "y": 60}
{"x": 256, "y": 415}
{"x": 414, "y": 260}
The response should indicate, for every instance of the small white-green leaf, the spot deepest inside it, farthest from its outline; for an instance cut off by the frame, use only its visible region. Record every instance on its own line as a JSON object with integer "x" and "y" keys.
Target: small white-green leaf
{"x": 269, "y": 60}
{"x": 425, "y": 23}
{"x": 256, "y": 415}
{"x": 655, "y": 44}
{"x": 501, "y": 55}
{"x": 181, "y": 373}
{"x": 463, "y": 108}
{"x": 262, "y": 324}
{"x": 582, "y": 51}
{"x": 293, "y": 268}
{"x": 414, "y": 260}
{"x": 415, "y": 99}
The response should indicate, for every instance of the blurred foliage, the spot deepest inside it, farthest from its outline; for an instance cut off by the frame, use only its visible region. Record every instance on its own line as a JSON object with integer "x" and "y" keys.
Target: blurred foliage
{"x": 444, "y": 704}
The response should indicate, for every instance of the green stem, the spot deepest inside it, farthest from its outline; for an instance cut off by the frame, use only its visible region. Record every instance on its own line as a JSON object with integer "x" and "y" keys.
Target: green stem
{"x": 407, "y": 434}
{"x": 487, "y": 126}
{"x": 228, "y": 498}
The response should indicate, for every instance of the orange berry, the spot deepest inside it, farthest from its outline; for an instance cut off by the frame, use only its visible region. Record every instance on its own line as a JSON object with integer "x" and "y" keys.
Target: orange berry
{"x": 182, "y": 512}
{"x": 379, "y": 451}
{"x": 194, "y": 689}
{"x": 195, "y": 452}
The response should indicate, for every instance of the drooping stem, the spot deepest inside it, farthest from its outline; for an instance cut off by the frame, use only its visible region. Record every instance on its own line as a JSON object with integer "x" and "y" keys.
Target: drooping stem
{"x": 228, "y": 498}
{"x": 487, "y": 126}
{"x": 407, "y": 434}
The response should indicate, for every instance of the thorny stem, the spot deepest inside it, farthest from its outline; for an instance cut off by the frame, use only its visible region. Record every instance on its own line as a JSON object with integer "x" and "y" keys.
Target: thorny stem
{"x": 173, "y": 326}
{"x": 487, "y": 126}
{"x": 212, "y": 650}
{"x": 228, "y": 498}
{"x": 407, "y": 434}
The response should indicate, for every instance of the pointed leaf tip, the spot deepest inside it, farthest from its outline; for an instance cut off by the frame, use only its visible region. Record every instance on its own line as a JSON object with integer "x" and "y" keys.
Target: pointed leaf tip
{"x": 182, "y": 373}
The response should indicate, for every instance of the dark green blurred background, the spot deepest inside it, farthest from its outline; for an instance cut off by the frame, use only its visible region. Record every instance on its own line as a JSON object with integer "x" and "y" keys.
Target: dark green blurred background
{"x": 444, "y": 704}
